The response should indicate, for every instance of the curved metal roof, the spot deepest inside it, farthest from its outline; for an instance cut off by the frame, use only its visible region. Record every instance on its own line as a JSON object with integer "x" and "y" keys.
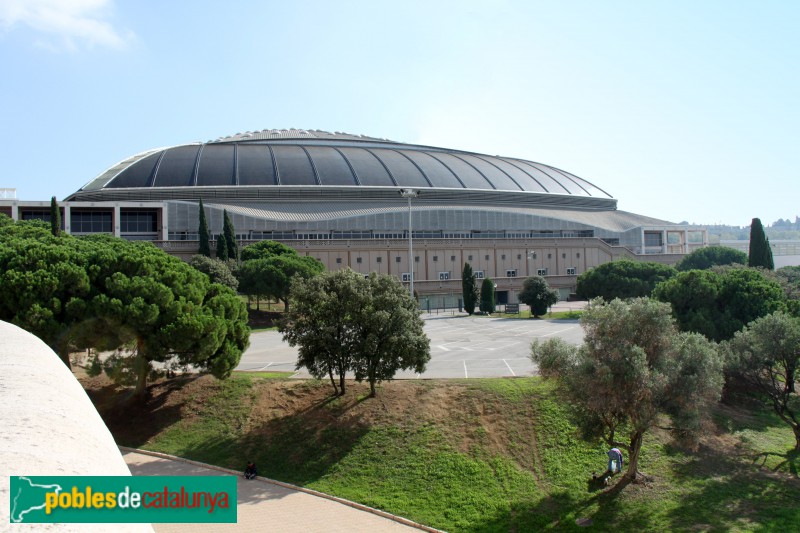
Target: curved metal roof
{"x": 274, "y": 158}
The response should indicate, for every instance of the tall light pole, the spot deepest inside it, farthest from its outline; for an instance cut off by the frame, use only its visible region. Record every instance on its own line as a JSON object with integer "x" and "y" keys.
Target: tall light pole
{"x": 410, "y": 193}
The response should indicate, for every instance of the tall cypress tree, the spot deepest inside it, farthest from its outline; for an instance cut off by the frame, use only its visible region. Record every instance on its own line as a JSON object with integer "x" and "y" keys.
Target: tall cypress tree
{"x": 468, "y": 288}
{"x": 487, "y": 296}
{"x": 55, "y": 217}
{"x": 230, "y": 237}
{"x": 222, "y": 247}
{"x": 205, "y": 238}
{"x": 760, "y": 251}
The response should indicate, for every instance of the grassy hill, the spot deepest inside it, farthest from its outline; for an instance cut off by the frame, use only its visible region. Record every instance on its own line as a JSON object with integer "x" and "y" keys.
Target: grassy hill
{"x": 467, "y": 455}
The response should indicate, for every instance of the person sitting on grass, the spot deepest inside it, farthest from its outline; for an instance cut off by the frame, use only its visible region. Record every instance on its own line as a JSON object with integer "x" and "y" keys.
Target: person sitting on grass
{"x": 614, "y": 460}
{"x": 250, "y": 471}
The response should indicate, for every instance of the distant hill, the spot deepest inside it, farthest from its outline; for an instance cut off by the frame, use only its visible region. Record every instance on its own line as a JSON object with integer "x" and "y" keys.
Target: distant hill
{"x": 781, "y": 229}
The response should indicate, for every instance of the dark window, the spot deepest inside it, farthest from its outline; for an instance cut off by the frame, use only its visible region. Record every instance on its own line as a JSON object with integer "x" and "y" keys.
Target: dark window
{"x": 469, "y": 258}
{"x": 90, "y": 221}
{"x": 503, "y": 257}
{"x": 36, "y": 214}
{"x": 358, "y": 259}
{"x": 653, "y": 238}
{"x": 578, "y": 254}
{"x": 486, "y": 257}
{"x": 563, "y": 256}
{"x": 379, "y": 259}
{"x": 338, "y": 260}
{"x": 138, "y": 221}
{"x": 519, "y": 256}
{"x": 549, "y": 256}
{"x": 397, "y": 259}
{"x": 452, "y": 258}
{"x": 435, "y": 258}
{"x": 416, "y": 259}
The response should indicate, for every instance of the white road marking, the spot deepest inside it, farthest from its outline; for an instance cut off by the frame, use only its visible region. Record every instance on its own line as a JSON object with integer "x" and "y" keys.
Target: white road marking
{"x": 509, "y": 368}
{"x": 554, "y": 332}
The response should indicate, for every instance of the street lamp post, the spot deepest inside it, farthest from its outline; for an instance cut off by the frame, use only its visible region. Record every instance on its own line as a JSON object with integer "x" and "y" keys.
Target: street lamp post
{"x": 410, "y": 193}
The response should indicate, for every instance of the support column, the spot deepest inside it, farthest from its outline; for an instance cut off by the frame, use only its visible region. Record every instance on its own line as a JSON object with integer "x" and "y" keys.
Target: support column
{"x": 117, "y": 232}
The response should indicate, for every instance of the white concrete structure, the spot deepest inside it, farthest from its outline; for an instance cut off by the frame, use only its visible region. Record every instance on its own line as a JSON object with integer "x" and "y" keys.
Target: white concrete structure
{"x": 49, "y": 426}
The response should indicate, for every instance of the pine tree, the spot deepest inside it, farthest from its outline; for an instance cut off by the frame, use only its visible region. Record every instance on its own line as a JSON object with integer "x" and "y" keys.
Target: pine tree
{"x": 468, "y": 288}
{"x": 230, "y": 237}
{"x": 222, "y": 247}
{"x": 55, "y": 217}
{"x": 205, "y": 244}
{"x": 760, "y": 251}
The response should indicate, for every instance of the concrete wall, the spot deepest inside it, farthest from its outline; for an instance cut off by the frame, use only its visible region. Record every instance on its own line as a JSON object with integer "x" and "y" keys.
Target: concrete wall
{"x": 49, "y": 426}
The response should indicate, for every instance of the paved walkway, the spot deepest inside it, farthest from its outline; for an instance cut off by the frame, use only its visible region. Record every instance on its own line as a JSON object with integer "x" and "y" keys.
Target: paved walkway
{"x": 264, "y": 506}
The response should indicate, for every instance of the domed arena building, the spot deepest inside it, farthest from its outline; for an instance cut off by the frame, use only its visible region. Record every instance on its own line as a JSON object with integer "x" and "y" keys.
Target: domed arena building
{"x": 349, "y": 201}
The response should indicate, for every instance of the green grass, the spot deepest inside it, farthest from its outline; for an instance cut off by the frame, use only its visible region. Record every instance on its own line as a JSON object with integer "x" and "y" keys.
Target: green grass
{"x": 558, "y": 315}
{"x": 505, "y": 458}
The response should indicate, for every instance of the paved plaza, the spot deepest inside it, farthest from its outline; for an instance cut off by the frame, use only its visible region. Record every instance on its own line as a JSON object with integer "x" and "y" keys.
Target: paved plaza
{"x": 265, "y": 506}
{"x": 461, "y": 346}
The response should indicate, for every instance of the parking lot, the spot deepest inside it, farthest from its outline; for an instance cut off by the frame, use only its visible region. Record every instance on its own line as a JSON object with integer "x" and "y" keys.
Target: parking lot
{"x": 461, "y": 347}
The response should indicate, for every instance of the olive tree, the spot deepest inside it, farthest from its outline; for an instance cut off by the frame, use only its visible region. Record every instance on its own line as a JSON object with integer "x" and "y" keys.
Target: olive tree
{"x": 633, "y": 367}
{"x": 766, "y": 356}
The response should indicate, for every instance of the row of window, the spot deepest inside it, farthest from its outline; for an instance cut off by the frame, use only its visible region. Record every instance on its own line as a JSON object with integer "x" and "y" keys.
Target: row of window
{"x": 479, "y": 274}
{"x": 101, "y": 221}
{"x": 417, "y": 234}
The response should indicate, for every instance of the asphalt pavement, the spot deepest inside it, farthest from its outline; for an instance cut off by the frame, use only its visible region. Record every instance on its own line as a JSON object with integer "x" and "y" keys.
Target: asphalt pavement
{"x": 461, "y": 346}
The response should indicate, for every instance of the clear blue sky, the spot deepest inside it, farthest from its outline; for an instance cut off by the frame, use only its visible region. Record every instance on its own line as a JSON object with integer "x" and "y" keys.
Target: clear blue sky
{"x": 681, "y": 110}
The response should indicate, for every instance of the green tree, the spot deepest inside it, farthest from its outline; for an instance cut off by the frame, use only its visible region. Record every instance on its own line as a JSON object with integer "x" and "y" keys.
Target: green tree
{"x": 55, "y": 217}
{"x": 230, "y": 237}
{"x": 218, "y": 271}
{"x": 718, "y": 303}
{"x": 391, "y": 335}
{"x": 45, "y": 282}
{"x": 323, "y": 323}
{"x": 102, "y": 291}
{"x": 170, "y": 310}
{"x": 272, "y": 276}
{"x": 766, "y": 355}
{"x": 222, "y": 247}
{"x": 538, "y": 295}
{"x": 203, "y": 234}
{"x": 253, "y": 278}
{"x": 344, "y": 322}
{"x": 281, "y": 269}
{"x": 468, "y": 289}
{"x": 633, "y": 367}
{"x": 622, "y": 279}
{"x": 710, "y": 256}
{"x": 760, "y": 252}
{"x": 265, "y": 249}
{"x": 487, "y": 296}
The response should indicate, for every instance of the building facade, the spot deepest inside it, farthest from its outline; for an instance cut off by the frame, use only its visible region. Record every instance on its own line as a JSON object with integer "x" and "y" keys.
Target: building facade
{"x": 337, "y": 197}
